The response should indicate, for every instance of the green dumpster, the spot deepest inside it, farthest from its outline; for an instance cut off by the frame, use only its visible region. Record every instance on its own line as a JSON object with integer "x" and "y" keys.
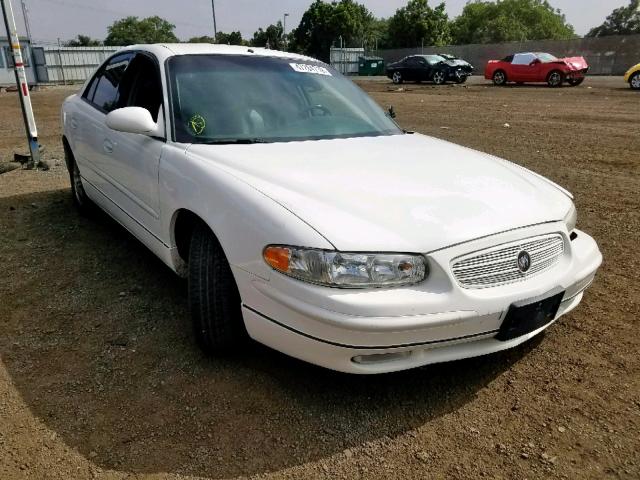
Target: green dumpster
{"x": 370, "y": 66}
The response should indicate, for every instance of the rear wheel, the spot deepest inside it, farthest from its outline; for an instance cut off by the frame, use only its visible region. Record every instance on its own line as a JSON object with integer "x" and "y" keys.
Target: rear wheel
{"x": 634, "y": 81}
{"x": 439, "y": 77}
{"x": 80, "y": 199}
{"x": 499, "y": 78}
{"x": 555, "y": 79}
{"x": 574, "y": 82}
{"x": 214, "y": 299}
{"x": 397, "y": 78}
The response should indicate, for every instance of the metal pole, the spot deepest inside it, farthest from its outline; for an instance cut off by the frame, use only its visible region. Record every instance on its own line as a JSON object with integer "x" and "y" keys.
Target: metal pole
{"x": 27, "y": 26}
{"x": 21, "y": 83}
{"x": 64, "y": 79}
{"x": 284, "y": 31}
{"x": 215, "y": 27}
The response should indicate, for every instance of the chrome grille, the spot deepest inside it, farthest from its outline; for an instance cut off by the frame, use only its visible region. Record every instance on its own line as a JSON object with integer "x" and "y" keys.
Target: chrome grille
{"x": 499, "y": 265}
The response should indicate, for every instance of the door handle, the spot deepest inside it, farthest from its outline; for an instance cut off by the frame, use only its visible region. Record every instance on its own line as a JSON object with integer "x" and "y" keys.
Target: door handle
{"x": 107, "y": 145}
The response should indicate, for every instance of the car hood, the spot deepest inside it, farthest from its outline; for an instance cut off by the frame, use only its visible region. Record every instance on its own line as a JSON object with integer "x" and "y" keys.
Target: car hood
{"x": 458, "y": 63}
{"x": 409, "y": 193}
{"x": 574, "y": 63}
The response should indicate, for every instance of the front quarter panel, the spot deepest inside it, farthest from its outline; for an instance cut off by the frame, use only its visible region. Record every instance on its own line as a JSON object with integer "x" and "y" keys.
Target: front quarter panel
{"x": 244, "y": 219}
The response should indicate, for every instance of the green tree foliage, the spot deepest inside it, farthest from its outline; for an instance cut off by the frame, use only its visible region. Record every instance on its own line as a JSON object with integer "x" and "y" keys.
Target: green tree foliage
{"x": 324, "y": 23}
{"x": 510, "y": 20}
{"x": 273, "y": 37}
{"x": 83, "y": 41}
{"x": 622, "y": 21}
{"x": 131, "y": 30}
{"x": 233, "y": 38}
{"x": 417, "y": 23}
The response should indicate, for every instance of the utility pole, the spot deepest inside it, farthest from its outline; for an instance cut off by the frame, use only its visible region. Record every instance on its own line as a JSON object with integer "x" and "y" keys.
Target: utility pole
{"x": 27, "y": 25}
{"x": 284, "y": 31}
{"x": 21, "y": 83}
{"x": 215, "y": 27}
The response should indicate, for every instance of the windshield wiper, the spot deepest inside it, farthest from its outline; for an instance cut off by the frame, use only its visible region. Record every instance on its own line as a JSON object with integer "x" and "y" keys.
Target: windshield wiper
{"x": 234, "y": 141}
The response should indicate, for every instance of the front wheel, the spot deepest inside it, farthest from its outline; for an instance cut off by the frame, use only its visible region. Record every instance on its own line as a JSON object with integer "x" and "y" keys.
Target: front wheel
{"x": 499, "y": 78}
{"x": 439, "y": 77}
{"x": 214, "y": 299}
{"x": 555, "y": 79}
{"x": 634, "y": 81}
{"x": 461, "y": 79}
{"x": 574, "y": 82}
{"x": 397, "y": 78}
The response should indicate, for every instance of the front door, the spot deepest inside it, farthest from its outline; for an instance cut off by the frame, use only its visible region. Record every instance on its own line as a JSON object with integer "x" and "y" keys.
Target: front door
{"x": 132, "y": 160}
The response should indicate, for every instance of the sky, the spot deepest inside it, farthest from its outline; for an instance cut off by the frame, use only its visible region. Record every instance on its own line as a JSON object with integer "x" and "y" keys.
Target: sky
{"x": 64, "y": 19}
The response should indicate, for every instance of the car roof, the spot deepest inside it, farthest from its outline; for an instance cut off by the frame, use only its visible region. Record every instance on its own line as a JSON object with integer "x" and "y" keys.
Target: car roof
{"x": 166, "y": 50}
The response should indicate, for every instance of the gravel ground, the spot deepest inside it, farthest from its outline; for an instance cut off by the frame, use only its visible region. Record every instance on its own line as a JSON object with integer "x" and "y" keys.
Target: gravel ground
{"x": 99, "y": 375}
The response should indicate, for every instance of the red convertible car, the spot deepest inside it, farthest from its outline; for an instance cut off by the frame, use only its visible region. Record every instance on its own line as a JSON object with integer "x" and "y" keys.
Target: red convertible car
{"x": 537, "y": 67}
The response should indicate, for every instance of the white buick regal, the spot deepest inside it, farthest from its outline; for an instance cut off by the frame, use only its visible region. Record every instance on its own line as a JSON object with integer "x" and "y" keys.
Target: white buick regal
{"x": 306, "y": 219}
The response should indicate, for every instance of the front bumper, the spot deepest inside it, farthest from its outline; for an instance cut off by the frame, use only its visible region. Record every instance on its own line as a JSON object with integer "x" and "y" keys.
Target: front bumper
{"x": 384, "y": 330}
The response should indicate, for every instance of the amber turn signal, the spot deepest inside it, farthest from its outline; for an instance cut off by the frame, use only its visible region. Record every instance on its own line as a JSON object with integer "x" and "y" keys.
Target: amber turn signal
{"x": 277, "y": 257}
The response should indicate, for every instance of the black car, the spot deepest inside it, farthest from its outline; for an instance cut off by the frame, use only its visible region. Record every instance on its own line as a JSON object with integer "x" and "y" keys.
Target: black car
{"x": 439, "y": 69}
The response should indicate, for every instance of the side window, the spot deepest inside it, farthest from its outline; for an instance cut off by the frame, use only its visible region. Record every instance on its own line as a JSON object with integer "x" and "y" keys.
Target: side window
{"x": 9, "y": 55}
{"x": 523, "y": 59}
{"x": 103, "y": 90}
{"x": 141, "y": 86}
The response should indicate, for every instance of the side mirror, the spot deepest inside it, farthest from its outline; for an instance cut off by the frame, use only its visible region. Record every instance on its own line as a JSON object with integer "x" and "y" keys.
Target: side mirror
{"x": 534, "y": 62}
{"x": 132, "y": 120}
{"x": 391, "y": 113}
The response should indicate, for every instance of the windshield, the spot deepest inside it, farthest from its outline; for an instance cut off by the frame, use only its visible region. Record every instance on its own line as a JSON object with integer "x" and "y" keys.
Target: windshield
{"x": 546, "y": 57}
{"x": 247, "y": 99}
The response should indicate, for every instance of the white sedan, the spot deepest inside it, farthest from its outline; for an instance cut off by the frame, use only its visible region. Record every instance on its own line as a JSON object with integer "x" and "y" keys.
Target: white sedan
{"x": 306, "y": 219}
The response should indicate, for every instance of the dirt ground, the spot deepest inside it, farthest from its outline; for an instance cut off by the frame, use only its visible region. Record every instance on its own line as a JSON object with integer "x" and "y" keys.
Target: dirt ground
{"x": 100, "y": 377}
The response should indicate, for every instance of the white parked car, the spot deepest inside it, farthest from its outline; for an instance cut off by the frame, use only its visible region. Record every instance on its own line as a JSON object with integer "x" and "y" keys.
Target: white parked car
{"x": 306, "y": 219}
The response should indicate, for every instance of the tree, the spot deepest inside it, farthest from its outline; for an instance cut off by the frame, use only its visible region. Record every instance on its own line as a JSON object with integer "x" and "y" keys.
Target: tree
{"x": 83, "y": 41}
{"x": 233, "y": 38}
{"x": 273, "y": 37}
{"x": 417, "y": 23}
{"x": 622, "y": 21}
{"x": 324, "y": 23}
{"x": 510, "y": 20}
{"x": 130, "y": 30}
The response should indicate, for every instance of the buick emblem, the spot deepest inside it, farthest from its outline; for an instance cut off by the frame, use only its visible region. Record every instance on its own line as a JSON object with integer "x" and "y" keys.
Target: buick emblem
{"x": 524, "y": 261}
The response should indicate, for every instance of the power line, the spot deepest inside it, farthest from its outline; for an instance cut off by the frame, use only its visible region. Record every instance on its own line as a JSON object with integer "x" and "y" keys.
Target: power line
{"x": 74, "y": 5}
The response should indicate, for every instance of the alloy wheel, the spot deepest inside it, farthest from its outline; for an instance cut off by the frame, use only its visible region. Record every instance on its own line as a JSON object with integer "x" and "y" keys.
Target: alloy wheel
{"x": 438, "y": 78}
{"x": 555, "y": 79}
{"x": 635, "y": 81}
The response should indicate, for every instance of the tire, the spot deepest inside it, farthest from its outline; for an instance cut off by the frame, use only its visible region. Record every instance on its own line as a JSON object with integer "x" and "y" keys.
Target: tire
{"x": 499, "y": 78}
{"x": 214, "y": 299}
{"x": 574, "y": 82}
{"x": 397, "y": 78}
{"x": 634, "y": 81}
{"x": 439, "y": 77}
{"x": 81, "y": 201}
{"x": 555, "y": 79}
{"x": 462, "y": 79}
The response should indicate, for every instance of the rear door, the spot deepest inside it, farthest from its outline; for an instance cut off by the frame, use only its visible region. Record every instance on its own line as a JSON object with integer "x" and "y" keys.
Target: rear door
{"x": 87, "y": 122}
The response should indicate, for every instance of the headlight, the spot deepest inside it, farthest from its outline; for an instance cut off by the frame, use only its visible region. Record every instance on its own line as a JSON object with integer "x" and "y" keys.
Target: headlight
{"x": 346, "y": 270}
{"x": 571, "y": 218}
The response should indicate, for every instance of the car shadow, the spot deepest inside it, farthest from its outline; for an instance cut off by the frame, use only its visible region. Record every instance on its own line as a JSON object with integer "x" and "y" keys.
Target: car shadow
{"x": 97, "y": 341}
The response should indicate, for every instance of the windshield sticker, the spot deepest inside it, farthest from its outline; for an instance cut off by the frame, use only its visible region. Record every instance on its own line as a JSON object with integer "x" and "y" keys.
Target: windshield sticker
{"x": 197, "y": 123}
{"x": 306, "y": 68}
